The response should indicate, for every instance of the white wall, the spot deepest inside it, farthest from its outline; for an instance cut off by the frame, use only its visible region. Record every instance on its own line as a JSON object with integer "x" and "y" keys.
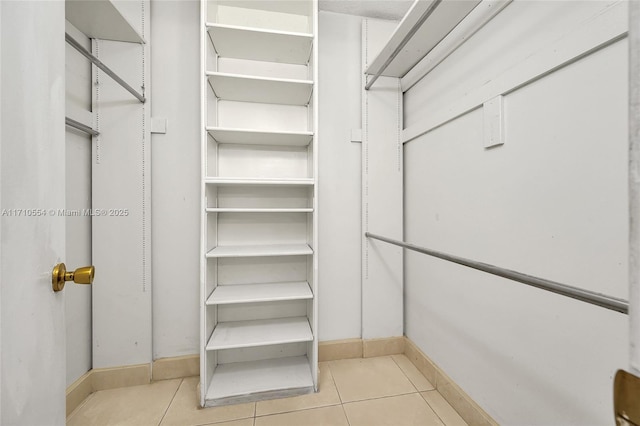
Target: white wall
{"x": 551, "y": 202}
{"x": 340, "y": 293}
{"x": 121, "y": 187}
{"x": 77, "y": 298}
{"x": 175, "y": 156}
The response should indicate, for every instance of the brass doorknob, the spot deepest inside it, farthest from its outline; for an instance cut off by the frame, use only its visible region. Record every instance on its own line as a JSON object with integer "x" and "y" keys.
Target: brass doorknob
{"x": 60, "y": 275}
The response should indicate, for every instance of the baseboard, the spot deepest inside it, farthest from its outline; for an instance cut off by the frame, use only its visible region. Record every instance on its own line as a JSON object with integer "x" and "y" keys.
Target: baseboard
{"x": 119, "y": 377}
{"x": 333, "y": 350}
{"x": 78, "y": 391}
{"x": 176, "y": 367}
{"x": 186, "y": 366}
{"x": 339, "y": 349}
{"x": 130, "y": 375}
{"x": 382, "y": 347}
{"x": 468, "y": 409}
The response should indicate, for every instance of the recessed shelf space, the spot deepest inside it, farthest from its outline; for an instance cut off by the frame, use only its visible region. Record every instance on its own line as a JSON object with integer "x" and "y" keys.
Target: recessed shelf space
{"x": 259, "y": 199}
{"x": 255, "y": 44}
{"x": 222, "y": 181}
{"x": 263, "y": 332}
{"x": 239, "y": 379}
{"x": 254, "y": 293}
{"x": 266, "y": 250}
{"x": 259, "y": 137}
{"x": 242, "y": 88}
{"x": 260, "y": 117}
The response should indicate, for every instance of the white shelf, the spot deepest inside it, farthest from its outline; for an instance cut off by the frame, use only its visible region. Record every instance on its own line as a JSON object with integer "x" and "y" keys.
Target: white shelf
{"x": 236, "y": 87}
{"x": 281, "y": 6}
{"x": 246, "y": 378}
{"x": 259, "y": 137}
{"x": 440, "y": 23}
{"x": 261, "y": 250}
{"x": 220, "y": 181}
{"x": 260, "y": 45}
{"x": 257, "y": 210}
{"x": 101, "y": 19}
{"x": 248, "y": 334}
{"x": 252, "y": 293}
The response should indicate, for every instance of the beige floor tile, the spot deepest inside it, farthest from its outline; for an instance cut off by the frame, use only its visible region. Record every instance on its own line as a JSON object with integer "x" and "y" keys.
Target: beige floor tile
{"x": 136, "y": 405}
{"x": 447, "y": 414}
{"x": 327, "y": 395}
{"x": 402, "y": 410}
{"x": 325, "y": 416}
{"x": 358, "y": 379}
{"x": 415, "y": 376}
{"x": 243, "y": 422}
{"x": 185, "y": 408}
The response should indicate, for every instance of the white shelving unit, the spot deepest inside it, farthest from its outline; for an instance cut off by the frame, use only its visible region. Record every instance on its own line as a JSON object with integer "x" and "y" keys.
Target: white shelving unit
{"x": 235, "y": 87}
{"x": 259, "y": 200}
{"x": 247, "y": 334}
{"x": 220, "y": 181}
{"x": 284, "y": 376}
{"x": 270, "y": 250}
{"x": 257, "y": 210}
{"x": 260, "y": 45}
{"x": 253, "y": 293}
{"x": 256, "y": 137}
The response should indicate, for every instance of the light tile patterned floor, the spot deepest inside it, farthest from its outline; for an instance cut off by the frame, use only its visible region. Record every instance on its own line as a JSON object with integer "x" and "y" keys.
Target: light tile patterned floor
{"x": 354, "y": 392}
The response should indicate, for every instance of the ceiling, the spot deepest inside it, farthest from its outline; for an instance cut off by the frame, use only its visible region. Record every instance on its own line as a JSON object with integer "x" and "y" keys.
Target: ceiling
{"x": 382, "y": 9}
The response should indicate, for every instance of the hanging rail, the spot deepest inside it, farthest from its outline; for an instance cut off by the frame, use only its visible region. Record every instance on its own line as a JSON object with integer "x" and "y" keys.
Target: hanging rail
{"x": 404, "y": 41}
{"x": 602, "y": 300}
{"x": 77, "y": 125}
{"x": 103, "y": 67}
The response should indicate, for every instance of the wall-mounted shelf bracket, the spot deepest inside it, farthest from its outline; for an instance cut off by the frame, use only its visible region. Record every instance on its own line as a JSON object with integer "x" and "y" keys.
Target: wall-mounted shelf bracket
{"x": 79, "y": 126}
{"x": 103, "y": 67}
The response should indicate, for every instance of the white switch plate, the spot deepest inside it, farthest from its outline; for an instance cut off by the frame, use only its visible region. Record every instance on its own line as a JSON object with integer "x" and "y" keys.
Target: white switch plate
{"x": 356, "y": 135}
{"x": 158, "y": 125}
{"x": 493, "y": 122}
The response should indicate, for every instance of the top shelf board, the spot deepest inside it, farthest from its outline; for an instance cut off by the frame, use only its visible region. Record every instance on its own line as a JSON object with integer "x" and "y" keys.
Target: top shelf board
{"x": 427, "y": 35}
{"x": 101, "y": 19}
{"x": 260, "y": 45}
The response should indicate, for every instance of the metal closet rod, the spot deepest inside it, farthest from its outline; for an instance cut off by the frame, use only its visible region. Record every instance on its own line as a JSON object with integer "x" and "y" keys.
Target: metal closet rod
{"x": 404, "y": 41}
{"x": 103, "y": 67}
{"x": 598, "y": 299}
{"x": 77, "y": 125}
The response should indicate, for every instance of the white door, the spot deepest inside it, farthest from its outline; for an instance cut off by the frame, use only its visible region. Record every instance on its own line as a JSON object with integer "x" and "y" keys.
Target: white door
{"x": 32, "y": 189}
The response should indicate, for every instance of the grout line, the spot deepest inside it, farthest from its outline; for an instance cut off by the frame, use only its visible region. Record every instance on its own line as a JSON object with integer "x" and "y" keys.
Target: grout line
{"x": 406, "y": 375}
{"x": 380, "y": 397}
{"x": 345, "y": 414}
{"x": 432, "y": 408}
{"x": 171, "y": 402}
{"x": 297, "y": 409}
{"x": 334, "y": 382}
